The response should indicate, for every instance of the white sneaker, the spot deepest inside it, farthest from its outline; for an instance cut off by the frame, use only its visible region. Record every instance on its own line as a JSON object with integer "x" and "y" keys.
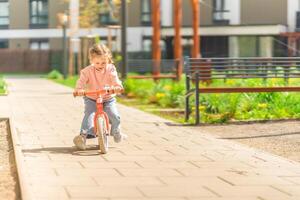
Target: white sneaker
{"x": 79, "y": 142}
{"x": 120, "y": 137}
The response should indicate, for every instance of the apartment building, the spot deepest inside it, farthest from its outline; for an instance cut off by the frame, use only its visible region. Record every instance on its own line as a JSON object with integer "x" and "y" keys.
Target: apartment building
{"x": 34, "y": 24}
{"x": 30, "y": 24}
{"x": 233, "y": 28}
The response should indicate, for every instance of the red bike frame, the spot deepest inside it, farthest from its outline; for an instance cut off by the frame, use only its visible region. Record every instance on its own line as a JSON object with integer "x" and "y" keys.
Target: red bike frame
{"x": 99, "y": 107}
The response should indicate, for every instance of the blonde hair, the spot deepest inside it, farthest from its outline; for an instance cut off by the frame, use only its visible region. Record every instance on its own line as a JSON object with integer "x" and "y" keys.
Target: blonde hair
{"x": 100, "y": 50}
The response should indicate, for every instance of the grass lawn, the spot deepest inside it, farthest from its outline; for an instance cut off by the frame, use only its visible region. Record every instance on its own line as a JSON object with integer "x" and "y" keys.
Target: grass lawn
{"x": 176, "y": 115}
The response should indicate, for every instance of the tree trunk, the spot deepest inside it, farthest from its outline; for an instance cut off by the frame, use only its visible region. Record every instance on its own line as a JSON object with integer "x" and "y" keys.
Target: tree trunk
{"x": 177, "y": 38}
{"x": 156, "y": 54}
{"x": 196, "y": 23}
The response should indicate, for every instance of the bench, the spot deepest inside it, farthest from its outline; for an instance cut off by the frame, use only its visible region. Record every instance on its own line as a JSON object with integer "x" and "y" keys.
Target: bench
{"x": 209, "y": 69}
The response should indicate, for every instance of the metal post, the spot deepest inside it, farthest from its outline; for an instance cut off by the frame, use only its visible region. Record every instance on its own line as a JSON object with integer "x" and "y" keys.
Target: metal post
{"x": 187, "y": 98}
{"x": 124, "y": 39}
{"x": 188, "y": 87}
{"x": 197, "y": 99}
{"x": 65, "y": 54}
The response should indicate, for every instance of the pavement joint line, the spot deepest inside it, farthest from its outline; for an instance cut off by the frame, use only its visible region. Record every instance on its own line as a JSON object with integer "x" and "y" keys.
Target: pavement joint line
{"x": 178, "y": 171}
{"x": 258, "y": 158}
{"x": 248, "y": 164}
{"x": 242, "y": 173}
{"x": 119, "y": 172}
{"x": 197, "y": 143}
{"x": 138, "y": 147}
{"x": 183, "y": 147}
{"x": 95, "y": 181}
{"x": 226, "y": 181}
{"x": 104, "y": 158}
{"x": 160, "y": 180}
{"x": 281, "y": 190}
{"x": 151, "y": 142}
{"x": 192, "y": 163}
{"x": 49, "y": 157}
{"x": 82, "y": 165}
{"x": 55, "y": 172}
{"x": 138, "y": 164}
{"x": 212, "y": 191}
{"x": 260, "y": 198}
{"x": 67, "y": 192}
{"x": 141, "y": 191}
{"x": 170, "y": 152}
{"x": 210, "y": 159}
{"x": 222, "y": 154}
{"x": 154, "y": 156}
{"x": 124, "y": 154}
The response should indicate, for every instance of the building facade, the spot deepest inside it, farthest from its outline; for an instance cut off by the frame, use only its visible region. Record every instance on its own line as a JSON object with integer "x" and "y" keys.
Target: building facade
{"x": 228, "y": 28}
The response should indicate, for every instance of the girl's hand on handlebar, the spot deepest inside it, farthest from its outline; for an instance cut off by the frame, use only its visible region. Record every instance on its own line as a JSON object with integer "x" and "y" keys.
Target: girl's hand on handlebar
{"x": 79, "y": 92}
{"x": 115, "y": 90}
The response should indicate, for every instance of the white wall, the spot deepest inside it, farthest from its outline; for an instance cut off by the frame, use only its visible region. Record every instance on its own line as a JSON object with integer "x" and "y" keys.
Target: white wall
{"x": 293, "y": 6}
{"x": 266, "y": 46}
{"x": 234, "y": 46}
{"x": 235, "y": 11}
{"x": 134, "y": 37}
{"x": 166, "y": 12}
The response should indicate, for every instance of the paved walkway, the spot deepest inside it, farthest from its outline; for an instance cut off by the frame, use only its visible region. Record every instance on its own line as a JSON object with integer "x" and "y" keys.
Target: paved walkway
{"x": 160, "y": 161}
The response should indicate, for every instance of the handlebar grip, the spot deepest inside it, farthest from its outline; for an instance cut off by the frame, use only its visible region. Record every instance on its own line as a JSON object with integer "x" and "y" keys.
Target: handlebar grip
{"x": 75, "y": 94}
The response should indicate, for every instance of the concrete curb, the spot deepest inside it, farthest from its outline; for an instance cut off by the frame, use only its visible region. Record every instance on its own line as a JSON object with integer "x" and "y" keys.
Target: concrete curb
{"x": 23, "y": 183}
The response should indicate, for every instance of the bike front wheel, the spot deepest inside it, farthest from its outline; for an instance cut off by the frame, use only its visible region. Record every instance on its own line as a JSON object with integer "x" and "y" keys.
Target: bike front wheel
{"x": 102, "y": 135}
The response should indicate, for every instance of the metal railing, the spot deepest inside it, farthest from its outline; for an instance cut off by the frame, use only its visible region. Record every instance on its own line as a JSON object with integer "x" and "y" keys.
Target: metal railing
{"x": 209, "y": 69}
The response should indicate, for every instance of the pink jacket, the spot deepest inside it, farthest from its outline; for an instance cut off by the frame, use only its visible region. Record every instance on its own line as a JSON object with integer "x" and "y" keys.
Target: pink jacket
{"x": 93, "y": 79}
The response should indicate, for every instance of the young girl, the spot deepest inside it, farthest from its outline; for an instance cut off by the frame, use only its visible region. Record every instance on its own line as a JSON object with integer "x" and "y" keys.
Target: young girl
{"x": 100, "y": 73}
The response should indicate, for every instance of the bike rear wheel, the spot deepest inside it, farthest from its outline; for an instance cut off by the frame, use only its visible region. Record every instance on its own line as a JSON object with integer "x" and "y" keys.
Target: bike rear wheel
{"x": 102, "y": 135}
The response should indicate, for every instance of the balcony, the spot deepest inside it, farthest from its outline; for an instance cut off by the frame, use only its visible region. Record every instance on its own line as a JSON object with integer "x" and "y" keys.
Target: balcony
{"x": 221, "y": 17}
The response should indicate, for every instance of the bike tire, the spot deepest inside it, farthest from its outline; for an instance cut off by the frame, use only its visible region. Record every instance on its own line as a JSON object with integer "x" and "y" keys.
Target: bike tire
{"x": 102, "y": 135}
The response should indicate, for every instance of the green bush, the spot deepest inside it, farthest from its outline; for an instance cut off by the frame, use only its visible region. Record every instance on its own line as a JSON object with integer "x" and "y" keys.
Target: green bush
{"x": 164, "y": 93}
{"x": 54, "y": 74}
{"x": 2, "y": 85}
{"x": 219, "y": 108}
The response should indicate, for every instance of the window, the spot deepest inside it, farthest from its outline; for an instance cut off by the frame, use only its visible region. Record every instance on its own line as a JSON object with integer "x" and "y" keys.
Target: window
{"x": 107, "y": 19}
{"x": 147, "y": 45}
{"x": 214, "y": 46}
{"x": 3, "y": 44}
{"x": 220, "y": 12}
{"x": 4, "y": 13}
{"x": 38, "y": 13}
{"x": 39, "y": 44}
{"x": 146, "y": 12}
{"x": 249, "y": 46}
{"x": 280, "y": 46}
{"x": 105, "y": 16}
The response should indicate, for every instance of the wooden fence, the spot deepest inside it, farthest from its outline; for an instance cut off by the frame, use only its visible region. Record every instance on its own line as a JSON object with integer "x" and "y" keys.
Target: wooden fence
{"x": 26, "y": 60}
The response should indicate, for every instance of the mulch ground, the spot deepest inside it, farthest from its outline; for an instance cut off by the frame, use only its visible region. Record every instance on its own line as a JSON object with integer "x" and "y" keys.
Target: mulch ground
{"x": 9, "y": 187}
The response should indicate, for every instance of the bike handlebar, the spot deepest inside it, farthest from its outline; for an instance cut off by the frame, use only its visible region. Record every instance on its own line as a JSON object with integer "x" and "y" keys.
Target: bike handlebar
{"x": 99, "y": 92}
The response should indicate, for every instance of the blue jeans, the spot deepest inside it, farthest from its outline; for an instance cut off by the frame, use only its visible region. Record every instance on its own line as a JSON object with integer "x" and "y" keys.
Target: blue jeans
{"x": 109, "y": 106}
